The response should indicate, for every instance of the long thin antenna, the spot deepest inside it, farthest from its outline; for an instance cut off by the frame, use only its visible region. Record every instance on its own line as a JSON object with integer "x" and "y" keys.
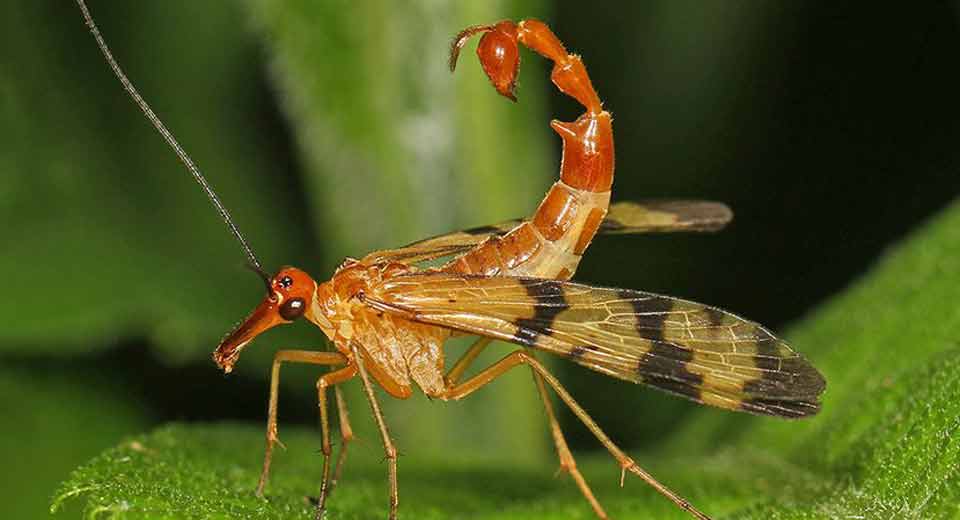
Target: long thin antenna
{"x": 168, "y": 137}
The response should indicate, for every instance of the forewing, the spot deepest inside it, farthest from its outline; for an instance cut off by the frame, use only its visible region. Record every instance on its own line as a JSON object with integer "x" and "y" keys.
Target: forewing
{"x": 693, "y": 350}
{"x": 440, "y": 246}
{"x": 622, "y": 218}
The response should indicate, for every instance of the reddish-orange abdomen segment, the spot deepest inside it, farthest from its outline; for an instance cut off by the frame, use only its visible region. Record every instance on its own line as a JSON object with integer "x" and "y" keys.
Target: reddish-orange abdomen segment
{"x": 588, "y": 156}
{"x": 553, "y": 217}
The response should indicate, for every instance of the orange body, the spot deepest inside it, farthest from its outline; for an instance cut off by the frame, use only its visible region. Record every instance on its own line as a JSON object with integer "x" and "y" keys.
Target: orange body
{"x": 388, "y": 320}
{"x": 548, "y": 245}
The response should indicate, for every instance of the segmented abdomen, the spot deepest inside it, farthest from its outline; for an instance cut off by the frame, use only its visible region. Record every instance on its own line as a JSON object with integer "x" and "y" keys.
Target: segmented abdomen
{"x": 549, "y": 245}
{"x": 551, "y": 242}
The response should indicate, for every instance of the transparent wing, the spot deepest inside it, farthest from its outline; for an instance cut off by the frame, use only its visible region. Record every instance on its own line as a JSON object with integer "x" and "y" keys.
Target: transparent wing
{"x": 440, "y": 246}
{"x": 686, "y": 348}
{"x": 622, "y": 218}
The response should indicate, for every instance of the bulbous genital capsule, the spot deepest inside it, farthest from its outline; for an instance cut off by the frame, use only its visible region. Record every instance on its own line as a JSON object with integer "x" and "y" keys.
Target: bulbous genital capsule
{"x": 500, "y": 57}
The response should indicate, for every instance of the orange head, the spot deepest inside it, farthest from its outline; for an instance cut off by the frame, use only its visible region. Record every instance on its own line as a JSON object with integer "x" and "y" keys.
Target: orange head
{"x": 290, "y": 294}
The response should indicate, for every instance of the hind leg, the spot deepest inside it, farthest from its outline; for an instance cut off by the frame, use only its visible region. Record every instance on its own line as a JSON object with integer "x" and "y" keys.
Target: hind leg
{"x": 567, "y": 462}
{"x": 626, "y": 463}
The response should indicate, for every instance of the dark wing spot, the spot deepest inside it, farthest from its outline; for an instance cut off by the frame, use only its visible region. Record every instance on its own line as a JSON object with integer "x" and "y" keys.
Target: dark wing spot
{"x": 524, "y": 335}
{"x": 548, "y": 303}
{"x": 767, "y": 357}
{"x": 610, "y": 225}
{"x": 581, "y": 350}
{"x": 783, "y": 409}
{"x": 788, "y": 386}
{"x": 807, "y": 380}
{"x": 714, "y": 316}
{"x": 688, "y": 390}
{"x": 649, "y": 314}
{"x": 786, "y": 378}
{"x": 665, "y": 365}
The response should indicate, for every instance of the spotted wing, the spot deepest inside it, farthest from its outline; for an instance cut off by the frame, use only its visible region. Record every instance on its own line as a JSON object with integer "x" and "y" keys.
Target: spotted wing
{"x": 686, "y": 348}
{"x": 442, "y": 245}
{"x": 665, "y": 216}
{"x": 622, "y": 218}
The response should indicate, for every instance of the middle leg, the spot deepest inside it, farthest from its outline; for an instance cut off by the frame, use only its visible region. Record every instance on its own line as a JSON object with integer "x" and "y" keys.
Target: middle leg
{"x": 325, "y": 381}
{"x": 626, "y": 463}
{"x": 389, "y": 449}
{"x": 468, "y": 357}
{"x": 567, "y": 462}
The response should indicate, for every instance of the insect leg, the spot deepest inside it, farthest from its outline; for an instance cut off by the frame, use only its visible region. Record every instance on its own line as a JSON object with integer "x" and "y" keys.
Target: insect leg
{"x": 626, "y": 463}
{"x": 346, "y": 435}
{"x": 567, "y": 462}
{"x": 389, "y": 449}
{"x": 292, "y": 356}
{"x": 325, "y": 381}
{"x": 468, "y": 357}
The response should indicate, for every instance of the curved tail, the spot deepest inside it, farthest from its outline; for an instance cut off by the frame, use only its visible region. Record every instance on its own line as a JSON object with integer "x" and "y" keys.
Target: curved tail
{"x": 550, "y": 243}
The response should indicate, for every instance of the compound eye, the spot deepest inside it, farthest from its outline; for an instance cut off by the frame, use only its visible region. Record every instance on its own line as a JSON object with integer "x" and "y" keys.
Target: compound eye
{"x": 292, "y": 309}
{"x": 286, "y": 282}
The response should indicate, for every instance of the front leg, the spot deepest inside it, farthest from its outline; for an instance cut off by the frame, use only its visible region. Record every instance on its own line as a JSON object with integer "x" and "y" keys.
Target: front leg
{"x": 293, "y": 356}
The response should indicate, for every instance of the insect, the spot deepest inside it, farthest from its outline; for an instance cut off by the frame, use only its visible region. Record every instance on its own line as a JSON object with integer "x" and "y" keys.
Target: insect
{"x": 388, "y": 316}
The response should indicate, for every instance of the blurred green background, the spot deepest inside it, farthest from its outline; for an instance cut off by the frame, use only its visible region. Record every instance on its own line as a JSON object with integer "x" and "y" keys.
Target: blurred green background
{"x": 330, "y": 128}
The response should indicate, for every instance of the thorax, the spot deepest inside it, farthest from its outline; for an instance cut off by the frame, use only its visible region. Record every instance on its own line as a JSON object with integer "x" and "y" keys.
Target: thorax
{"x": 395, "y": 350}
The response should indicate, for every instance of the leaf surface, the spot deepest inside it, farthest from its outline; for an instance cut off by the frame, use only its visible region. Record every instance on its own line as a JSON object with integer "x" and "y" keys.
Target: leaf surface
{"x": 884, "y": 446}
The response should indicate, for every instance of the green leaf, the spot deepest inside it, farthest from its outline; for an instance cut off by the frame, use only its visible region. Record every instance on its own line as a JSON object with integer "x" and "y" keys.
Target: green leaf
{"x": 197, "y": 471}
{"x": 55, "y": 417}
{"x": 885, "y": 445}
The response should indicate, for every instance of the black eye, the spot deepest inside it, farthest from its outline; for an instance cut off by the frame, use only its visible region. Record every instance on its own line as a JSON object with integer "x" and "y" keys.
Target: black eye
{"x": 292, "y": 309}
{"x": 286, "y": 282}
